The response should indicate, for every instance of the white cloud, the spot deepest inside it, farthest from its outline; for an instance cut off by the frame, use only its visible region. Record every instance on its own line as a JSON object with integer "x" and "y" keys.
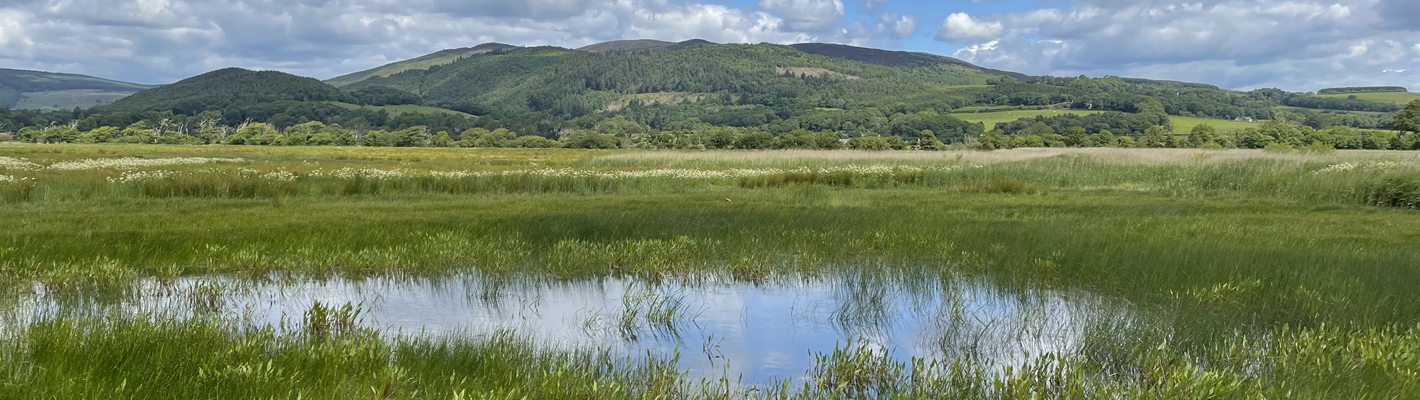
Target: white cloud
{"x": 14, "y": 37}
{"x": 961, "y": 27}
{"x": 898, "y": 26}
{"x": 809, "y": 15}
{"x": 1293, "y": 44}
{"x": 159, "y": 41}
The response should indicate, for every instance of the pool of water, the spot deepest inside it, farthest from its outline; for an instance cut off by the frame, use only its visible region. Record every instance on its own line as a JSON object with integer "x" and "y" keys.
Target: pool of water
{"x": 750, "y": 333}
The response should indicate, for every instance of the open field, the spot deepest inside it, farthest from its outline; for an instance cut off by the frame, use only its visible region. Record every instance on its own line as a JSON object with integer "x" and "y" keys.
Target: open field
{"x": 1186, "y": 273}
{"x": 990, "y": 119}
{"x": 1399, "y": 98}
{"x": 1181, "y": 125}
{"x": 69, "y": 99}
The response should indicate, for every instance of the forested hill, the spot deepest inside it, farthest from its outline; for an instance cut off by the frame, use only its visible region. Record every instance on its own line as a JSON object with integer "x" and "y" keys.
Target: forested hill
{"x": 226, "y": 89}
{"x": 638, "y": 90}
{"x": 424, "y": 62}
{"x": 889, "y": 58}
{"x": 49, "y": 90}
{"x": 573, "y": 83}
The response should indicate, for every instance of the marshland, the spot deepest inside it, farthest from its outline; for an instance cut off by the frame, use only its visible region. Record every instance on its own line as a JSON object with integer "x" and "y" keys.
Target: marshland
{"x": 293, "y": 272}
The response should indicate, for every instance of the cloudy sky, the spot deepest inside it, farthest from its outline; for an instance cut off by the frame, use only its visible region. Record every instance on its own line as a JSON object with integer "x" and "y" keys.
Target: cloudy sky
{"x": 1293, "y": 44}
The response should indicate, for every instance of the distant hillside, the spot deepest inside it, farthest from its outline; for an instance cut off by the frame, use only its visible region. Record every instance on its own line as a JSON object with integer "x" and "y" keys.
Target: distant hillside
{"x": 1362, "y": 89}
{"x": 640, "y": 45}
{"x": 637, "y": 86}
{"x": 890, "y": 58}
{"x": 21, "y": 89}
{"x": 421, "y": 63}
{"x": 227, "y": 88}
{"x": 572, "y": 83}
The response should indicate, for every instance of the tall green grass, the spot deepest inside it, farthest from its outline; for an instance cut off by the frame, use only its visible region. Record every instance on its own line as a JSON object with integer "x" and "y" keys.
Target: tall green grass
{"x": 138, "y": 357}
{"x": 1255, "y": 275}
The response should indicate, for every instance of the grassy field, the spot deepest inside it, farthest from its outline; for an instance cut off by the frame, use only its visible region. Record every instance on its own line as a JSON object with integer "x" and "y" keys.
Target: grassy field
{"x": 401, "y": 109}
{"x": 990, "y": 119}
{"x": 1181, "y": 125}
{"x": 1261, "y": 274}
{"x": 68, "y": 99}
{"x": 1399, "y": 98}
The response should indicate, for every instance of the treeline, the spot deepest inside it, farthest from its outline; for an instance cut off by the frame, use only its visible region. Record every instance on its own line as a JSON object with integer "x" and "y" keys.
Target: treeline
{"x": 610, "y": 134}
{"x": 1176, "y": 98}
{"x": 1362, "y": 89}
{"x": 1271, "y": 135}
{"x": 619, "y": 132}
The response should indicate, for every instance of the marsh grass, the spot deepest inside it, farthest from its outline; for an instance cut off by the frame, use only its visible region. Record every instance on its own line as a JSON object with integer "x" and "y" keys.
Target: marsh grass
{"x": 660, "y": 310}
{"x": 1256, "y": 274}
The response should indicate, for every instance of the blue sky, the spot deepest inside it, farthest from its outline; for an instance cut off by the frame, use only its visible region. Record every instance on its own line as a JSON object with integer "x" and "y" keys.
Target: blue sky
{"x": 1298, "y": 45}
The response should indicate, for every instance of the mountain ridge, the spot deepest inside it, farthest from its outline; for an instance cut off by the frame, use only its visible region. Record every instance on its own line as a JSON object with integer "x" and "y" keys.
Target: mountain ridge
{"x": 41, "y": 90}
{"x": 888, "y": 58}
{"x": 426, "y": 61}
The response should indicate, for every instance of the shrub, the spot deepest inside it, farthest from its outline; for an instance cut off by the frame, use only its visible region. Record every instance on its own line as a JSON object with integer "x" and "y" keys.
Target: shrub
{"x": 1277, "y": 147}
{"x": 591, "y": 140}
{"x": 7, "y": 137}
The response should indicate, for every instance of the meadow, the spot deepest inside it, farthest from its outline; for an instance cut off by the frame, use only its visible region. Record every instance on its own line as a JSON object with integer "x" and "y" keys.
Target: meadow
{"x": 1181, "y": 125}
{"x": 1397, "y": 98}
{"x": 1245, "y": 273}
{"x": 991, "y": 118}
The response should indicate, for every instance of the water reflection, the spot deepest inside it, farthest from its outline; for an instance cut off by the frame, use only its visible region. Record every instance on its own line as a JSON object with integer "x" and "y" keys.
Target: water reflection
{"x": 752, "y": 333}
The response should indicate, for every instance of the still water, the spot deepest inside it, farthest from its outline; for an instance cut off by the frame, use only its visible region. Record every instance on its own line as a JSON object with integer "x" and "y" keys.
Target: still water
{"x": 750, "y": 333}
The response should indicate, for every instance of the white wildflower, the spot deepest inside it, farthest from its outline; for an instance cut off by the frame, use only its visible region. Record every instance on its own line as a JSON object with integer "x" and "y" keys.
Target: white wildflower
{"x": 132, "y": 163}
{"x": 17, "y": 164}
{"x": 1365, "y": 166}
{"x": 284, "y": 176}
{"x": 139, "y": 176}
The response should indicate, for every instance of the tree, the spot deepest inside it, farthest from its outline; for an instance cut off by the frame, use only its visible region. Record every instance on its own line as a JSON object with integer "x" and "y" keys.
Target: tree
{"x": 1155, "y": 137}
{"x": 755, "y": 139}
{"x": 1104, "y": 139}
{"x": 927, "y": 140}
{"x": 1202, "y": 135}
{"x": 870, "y": 143}
{"x": 1076, "y": 137}
{"x": 591, "y": 140}
{"x": 1408, "y": 120}
{"x": 442, "y": 139}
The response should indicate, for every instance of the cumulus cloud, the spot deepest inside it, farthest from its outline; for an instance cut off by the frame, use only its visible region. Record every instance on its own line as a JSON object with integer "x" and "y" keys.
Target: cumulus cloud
{"x": 13, "y": 35}
{"x": 898, "y": 26}
{"x": 810, "y": 15}
{"x": 1297, "y": 45}
{"x": 1293, "y": 44}
{"x": 159, "y": 41}
{"x": 961, "y": 27}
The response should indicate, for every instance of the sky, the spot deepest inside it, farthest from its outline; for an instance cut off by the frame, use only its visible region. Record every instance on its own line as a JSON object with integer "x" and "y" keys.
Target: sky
{"x": 1297, "y": 45}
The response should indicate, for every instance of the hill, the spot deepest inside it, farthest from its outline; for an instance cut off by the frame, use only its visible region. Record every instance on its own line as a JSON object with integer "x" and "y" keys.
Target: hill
{"x": 573, "y": 83}
{"x": 226, "y": 89}
{"x": 1396, "y": 98}
{"x": 36, "y": 90}
{"x": 640, "y": 45}
{"x": 635, "y": 88}
{"x": 890, "y": 58}
{"x": 421, "y": 63}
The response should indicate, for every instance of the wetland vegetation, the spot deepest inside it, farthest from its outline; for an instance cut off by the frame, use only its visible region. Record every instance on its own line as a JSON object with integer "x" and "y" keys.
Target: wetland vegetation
{"x": 1168, "y": 273}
